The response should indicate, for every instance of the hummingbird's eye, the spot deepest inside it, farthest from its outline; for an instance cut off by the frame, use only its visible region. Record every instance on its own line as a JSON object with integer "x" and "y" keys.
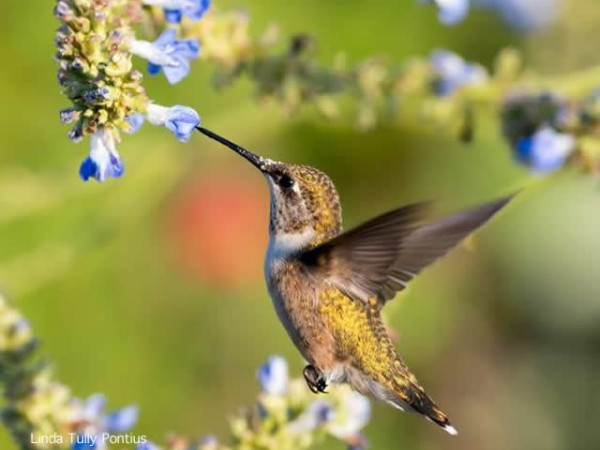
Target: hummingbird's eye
{"x": 285, "y": 181}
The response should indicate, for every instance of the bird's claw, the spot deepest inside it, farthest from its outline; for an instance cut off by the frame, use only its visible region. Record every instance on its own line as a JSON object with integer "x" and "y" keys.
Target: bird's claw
{"x": 315, "y": 380}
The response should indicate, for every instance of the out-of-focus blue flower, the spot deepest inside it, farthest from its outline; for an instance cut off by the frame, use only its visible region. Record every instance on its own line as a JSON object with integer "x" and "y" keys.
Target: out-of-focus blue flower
{"x": 181, "y": 120}
{"x": 91, "y": 413}
{"x": 121, "y": 420}
{"x": 104, "y": 160}
{"x": 450, "y": 12}
{"x": 352, "y": 416}
{"x": 273, "y": 376}
{"x": 146, "y": 446}
{"x": 81, "y": 443}
{"x": 316, "y": 414}
{"x": 546, "y": 150}
{"x": 454, "y": 72}
{"x": 519, "y": 14}
{"x": 167, "y": 53}
{"x": 209, "y": 442}
{"x": 526, "y": 14}
{"x": 176, "y": 9}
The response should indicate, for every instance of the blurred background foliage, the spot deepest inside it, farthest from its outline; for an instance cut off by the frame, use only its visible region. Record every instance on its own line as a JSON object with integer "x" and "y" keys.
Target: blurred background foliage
{"x": 150, "y": 289}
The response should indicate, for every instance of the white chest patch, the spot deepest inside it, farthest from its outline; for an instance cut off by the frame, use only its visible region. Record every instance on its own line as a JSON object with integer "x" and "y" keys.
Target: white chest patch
{"x": 284, "y": 244}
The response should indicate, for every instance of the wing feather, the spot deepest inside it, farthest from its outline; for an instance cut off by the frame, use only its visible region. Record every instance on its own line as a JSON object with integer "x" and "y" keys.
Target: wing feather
{"x": 380, "y": 257}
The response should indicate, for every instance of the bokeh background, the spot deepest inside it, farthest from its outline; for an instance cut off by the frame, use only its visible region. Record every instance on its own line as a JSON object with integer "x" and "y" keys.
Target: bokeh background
{"x": 150, "y": 288}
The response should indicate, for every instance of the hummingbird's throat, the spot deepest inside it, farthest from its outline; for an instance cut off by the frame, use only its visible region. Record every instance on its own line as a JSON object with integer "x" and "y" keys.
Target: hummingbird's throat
{"x": 282, "y": 244}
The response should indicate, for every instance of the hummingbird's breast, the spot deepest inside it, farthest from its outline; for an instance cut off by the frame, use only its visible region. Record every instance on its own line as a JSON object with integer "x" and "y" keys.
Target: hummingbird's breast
{"x": 296, "y": 298}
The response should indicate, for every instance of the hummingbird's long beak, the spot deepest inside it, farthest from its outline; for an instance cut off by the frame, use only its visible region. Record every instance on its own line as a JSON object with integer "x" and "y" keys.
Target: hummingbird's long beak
{"x": 256, "y": 160}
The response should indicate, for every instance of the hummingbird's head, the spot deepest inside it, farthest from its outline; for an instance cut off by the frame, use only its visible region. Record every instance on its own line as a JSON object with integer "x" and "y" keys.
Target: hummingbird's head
{"x": 305, "y": 206}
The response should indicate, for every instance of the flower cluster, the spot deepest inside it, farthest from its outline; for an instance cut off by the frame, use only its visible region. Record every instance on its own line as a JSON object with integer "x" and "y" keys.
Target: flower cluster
{"x": 96, "y": 45}
{"x": 95, "y": 48}
{"x": 287, "y": 416}
{"x": 290, "y": 407}
{"x": 536, "y": 128}
{"x": 546, "y": 130}
{"x": 36, "y": 406}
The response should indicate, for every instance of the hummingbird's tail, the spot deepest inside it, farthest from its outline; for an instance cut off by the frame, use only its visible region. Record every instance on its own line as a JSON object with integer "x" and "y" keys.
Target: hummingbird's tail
{"x": 402, "y": 391}
{"x": 422, "y": 404}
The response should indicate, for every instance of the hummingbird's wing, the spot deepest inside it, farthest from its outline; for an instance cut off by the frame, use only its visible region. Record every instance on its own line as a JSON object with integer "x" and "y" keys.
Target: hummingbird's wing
{"x": 380, "y": 257}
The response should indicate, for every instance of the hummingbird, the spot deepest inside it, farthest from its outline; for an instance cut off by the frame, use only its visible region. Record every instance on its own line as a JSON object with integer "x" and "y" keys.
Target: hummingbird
{"x": 329, "y": 287}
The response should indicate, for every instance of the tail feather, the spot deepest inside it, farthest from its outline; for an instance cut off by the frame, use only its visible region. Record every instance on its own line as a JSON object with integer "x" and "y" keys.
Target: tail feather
{"x": 402, "y": 392}
{"x": 418, "y": 401}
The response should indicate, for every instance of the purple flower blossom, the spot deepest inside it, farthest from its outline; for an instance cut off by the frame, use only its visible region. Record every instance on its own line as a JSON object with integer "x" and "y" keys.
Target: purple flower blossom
{"x": 167, "y": 53}
{"x": 546, "y": 150}
{"x": 104, "y": 160}
{"x": 453, "y": 72}
{"x": 181, "y": 120}
{"x": 273, "y": 376}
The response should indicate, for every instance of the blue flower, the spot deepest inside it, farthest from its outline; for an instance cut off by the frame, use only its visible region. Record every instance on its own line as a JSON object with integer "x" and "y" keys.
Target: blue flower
{"x": 104, "y": 160}
{"x": 317, "y": 413}
{"x": 121, "y": 420}
{"x": 525, "y": 15}
{"x": 194, "y": 9}
{"x": 451, "y": 12}
{"x": 181, "y": 120}
{"x": 176, "y": 9}
{"x": 135, "y": 120}
{"x": 167, "y": 53}
{"x": 453, "y": 72}
{"x": 273, "y": 376}
{"x": 209, "y": 442}
{"x": 519, "y": 14}
{"x": 546, "y": 150}
{"x": 146, "y": 446}
{"x": 353, "y": 414}
{"x": 96, "y": 422}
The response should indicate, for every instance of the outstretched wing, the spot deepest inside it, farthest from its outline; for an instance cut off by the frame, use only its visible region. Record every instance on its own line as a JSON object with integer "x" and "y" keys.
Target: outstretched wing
{"x": 380, "y": 257}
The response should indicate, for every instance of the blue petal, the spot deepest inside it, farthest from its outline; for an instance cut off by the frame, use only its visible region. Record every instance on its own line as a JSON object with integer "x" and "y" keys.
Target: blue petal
{"x": 83, "y": 445}
{"x": 188, "y": 48}
{"x": 452, "y": 12}
{"x": 524, "y": 146}
{"x": 95, "y": 404}
{"x": 117, "y": 168}
{"x": 197, "y": 10}
{"x": 273, "y": 376}
{"x": 176, "y": 73}
{"x": 208, "y": 441}
{"x": 153, "y": 69}
{"x": 121, "y": 420}
{"x": 135, "y": 121}
{"x": 173, "y": 15}
{"x": 546, "y": 150}
{"x": 167, "y": 37}
{"x": 527, "y": 15}
{"x": 88, "y": 169}
{"x": 182, "y": 122}
{"x": 146, "y": 446}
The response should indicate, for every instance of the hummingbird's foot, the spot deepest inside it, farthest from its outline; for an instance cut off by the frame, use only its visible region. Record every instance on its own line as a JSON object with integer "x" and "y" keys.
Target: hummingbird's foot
{"x": 315, "y": 379}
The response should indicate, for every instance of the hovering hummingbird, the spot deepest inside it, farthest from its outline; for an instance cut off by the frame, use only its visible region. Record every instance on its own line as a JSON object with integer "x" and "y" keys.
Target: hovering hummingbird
{"x": 329, "y": 287}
